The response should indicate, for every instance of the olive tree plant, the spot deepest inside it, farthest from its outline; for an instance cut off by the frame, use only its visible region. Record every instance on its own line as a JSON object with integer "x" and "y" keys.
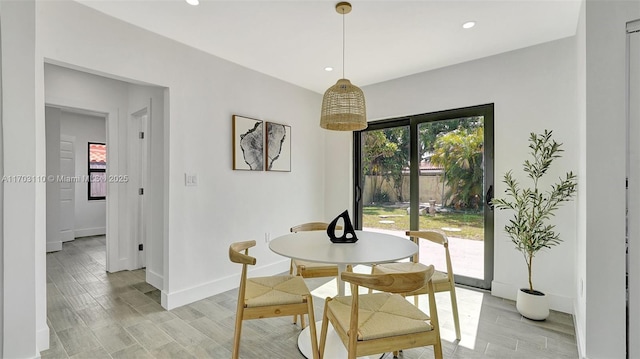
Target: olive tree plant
{"x": 533, "y": 206}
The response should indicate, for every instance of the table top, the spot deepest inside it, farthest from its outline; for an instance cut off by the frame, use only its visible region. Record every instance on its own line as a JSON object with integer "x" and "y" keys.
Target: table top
{"x": 371, "y": 247}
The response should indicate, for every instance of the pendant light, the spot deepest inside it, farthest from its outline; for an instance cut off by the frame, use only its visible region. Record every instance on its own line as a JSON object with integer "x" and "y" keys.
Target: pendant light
{"x": 343, "y": 107}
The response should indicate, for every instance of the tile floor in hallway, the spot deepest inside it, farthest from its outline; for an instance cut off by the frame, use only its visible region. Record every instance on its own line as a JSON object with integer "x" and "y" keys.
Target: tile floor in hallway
{"x": 94, "y": 314}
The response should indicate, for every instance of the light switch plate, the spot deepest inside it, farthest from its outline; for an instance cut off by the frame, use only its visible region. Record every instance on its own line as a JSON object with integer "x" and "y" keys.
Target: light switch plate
{"x": 190, "y": 179}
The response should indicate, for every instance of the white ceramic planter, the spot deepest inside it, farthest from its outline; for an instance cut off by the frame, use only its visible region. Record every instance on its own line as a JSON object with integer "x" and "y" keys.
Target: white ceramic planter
{"x": 532, "y": 306}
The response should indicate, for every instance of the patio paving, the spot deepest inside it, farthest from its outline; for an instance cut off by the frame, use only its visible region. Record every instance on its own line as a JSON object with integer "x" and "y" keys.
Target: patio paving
{"x": 467, "y": 256}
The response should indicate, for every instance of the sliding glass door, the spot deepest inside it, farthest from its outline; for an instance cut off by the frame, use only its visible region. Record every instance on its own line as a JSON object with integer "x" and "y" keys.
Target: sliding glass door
{"x": 431, "y": 171}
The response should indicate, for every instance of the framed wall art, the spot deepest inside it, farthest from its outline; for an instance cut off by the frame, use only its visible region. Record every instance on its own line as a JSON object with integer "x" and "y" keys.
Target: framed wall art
{"x": 248, "y": 144}
{"x": 278, "y": 147}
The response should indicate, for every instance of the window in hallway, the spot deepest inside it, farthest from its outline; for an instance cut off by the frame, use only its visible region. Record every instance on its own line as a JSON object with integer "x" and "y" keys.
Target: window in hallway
{"x": 97, "y": 171}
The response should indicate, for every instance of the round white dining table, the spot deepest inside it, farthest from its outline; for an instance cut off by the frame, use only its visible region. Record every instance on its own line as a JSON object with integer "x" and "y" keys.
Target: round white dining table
{"x": 315, "y": 246}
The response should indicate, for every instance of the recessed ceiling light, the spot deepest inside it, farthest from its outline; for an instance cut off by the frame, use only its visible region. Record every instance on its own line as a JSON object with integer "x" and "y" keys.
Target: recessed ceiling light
{"x": 468, "y": 24}
{"x": 328, "y": 68}
{"x": 193, "y": 2}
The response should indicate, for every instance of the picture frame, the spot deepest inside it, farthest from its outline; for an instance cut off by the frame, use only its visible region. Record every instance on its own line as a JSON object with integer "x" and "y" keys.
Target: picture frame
{"x": 277, "y": 147}
{"x": 248, "y": 143}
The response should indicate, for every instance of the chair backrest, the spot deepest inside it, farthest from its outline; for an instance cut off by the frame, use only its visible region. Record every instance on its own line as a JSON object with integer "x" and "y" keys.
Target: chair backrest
{"x": 391, "y": 282}
{"x": 431, "y": 235}
{"x": 311, "y": 226}
{"x": 398, "y": 282}
{"x": 438, "y": 238}
{"x": 236, "y": 255}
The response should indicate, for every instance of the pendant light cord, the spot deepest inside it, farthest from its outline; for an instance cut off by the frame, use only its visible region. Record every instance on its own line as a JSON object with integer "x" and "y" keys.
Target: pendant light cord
{"x": 343, "y": 41}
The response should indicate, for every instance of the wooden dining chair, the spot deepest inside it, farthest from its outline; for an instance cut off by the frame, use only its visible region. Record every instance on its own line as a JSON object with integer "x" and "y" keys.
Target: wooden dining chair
{"x": 442, "y": 281}
{"x": 382, "y": 321}
{"x": 308, "y": 269}
{"x": 266, "y": 297}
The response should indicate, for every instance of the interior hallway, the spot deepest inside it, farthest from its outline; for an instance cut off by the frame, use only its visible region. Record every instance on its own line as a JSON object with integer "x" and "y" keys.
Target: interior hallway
{"x": 94, "y": 314}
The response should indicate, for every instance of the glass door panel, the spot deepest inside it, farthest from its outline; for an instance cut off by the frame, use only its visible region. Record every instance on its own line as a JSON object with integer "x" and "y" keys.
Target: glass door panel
{"x": 451, "y": 188}
{"x": 385, "y": 186}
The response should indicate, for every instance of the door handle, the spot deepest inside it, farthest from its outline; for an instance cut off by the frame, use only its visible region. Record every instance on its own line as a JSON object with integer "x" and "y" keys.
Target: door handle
{"x": 489, "y": 197}
{"x": 358, "y": 193}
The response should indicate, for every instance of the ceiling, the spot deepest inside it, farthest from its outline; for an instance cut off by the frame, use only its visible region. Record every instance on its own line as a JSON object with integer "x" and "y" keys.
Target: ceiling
{"x": 295, "y": 40}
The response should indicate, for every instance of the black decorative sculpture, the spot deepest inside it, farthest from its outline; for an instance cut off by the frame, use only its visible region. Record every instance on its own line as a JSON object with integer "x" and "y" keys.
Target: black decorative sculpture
{"x": 349, "y": 234}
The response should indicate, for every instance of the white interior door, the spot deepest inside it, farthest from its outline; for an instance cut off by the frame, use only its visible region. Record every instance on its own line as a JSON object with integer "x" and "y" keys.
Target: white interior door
{"x": 633, "y": 238}
{"x": 140, "y": 154}
{"x": 67, "y": 188}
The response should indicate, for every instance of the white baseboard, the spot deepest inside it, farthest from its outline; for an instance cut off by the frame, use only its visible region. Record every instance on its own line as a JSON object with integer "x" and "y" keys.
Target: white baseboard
{"x": 509, "y": 291}
{"x": 579, "y": 334}
{"x": 42, "y": 339}
{"x": 118, "y": 265}
{"x": 87, "y": 232}
{"x": 172, "y": 300}
{"x": 155, "y": 279}
{"x": 67, "y": 236}
{"x": 54, "y": 246}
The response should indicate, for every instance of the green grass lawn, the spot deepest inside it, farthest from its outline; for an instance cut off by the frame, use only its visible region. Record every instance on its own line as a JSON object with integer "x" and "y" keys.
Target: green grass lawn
{"x": 471, "y": 224}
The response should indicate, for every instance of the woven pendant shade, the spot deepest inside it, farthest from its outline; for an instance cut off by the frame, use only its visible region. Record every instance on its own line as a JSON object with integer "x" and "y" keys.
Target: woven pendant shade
{"x": 343, "y": 108}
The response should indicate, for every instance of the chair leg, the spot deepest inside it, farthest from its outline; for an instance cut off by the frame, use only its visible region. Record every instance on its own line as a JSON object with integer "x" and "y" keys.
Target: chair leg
{"x": 437, "y": 349}
{"x": 324, "y": 329}
{"x": 295, "y": 316}
{"x": 373, "y": 271}
{"x": 348, "y": 269}
{"x": 312, "y": 328}
{"x": 353, "y": 337}
{"x": 352, "y": 352}
{"x": 236, "y": 336}
{"x": 454, "y": 309}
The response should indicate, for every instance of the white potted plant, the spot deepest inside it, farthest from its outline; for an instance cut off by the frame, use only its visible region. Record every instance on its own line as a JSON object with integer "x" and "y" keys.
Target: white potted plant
{"x": 532, "y": 208}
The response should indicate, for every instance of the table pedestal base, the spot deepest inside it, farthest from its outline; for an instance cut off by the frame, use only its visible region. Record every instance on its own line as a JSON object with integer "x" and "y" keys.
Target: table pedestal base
{"x": 334, "y": 349}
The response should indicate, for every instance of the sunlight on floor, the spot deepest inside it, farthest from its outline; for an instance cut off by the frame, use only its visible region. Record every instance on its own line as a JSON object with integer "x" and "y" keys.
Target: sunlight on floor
{"x": 469, "y": 309}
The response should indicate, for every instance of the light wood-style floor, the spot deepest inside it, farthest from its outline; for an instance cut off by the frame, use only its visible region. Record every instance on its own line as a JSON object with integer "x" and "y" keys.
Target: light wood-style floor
{"x": 94, "y": 314}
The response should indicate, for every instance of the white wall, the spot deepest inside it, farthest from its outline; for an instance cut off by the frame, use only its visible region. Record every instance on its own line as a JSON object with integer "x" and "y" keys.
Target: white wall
{"x": 90, "y": 216}
{"x": 603, "y": 303}
{"x": 338, "y": 176}
{"x": 205, "y": 92}
{"x": 581, "y": 258}
{"x": 633, "y": 226}
{"x": 24, "y": 318}
{"x": 533, "y": 89}
{"x": 1, "y": 206}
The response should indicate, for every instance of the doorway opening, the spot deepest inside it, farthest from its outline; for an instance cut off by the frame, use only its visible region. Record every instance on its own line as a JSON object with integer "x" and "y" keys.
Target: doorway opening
{"x": 123, "y": 167}
{"x": 76, "y": 175}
